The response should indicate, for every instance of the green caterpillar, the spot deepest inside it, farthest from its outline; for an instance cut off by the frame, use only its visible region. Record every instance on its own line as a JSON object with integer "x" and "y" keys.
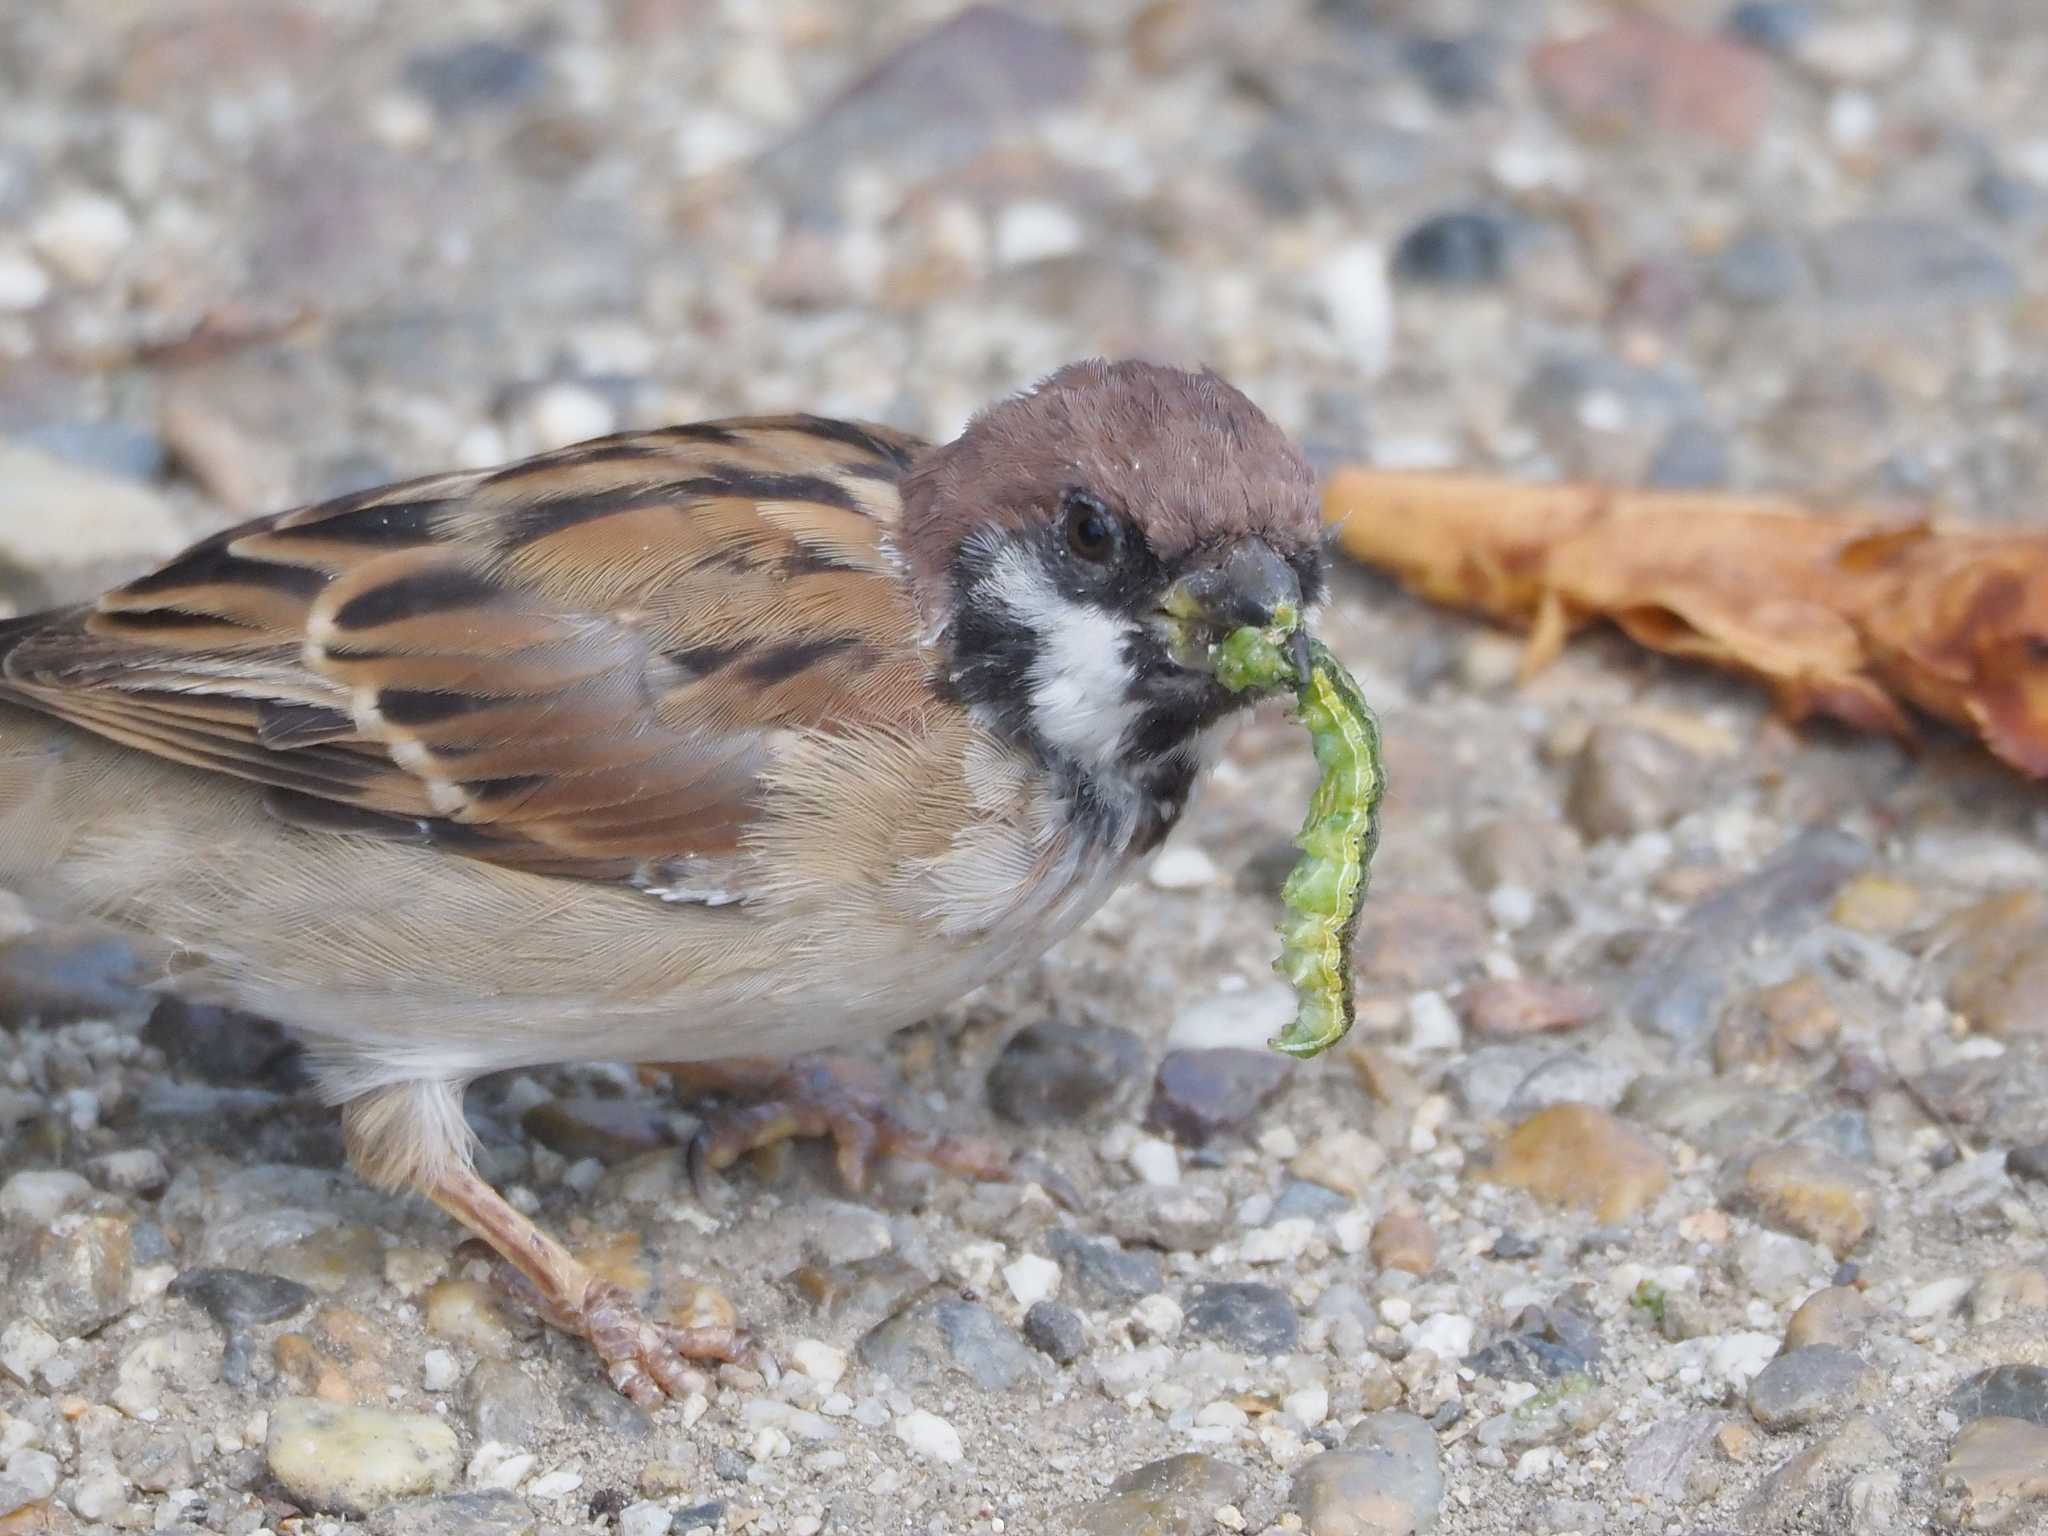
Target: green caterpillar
{"x": 1337, "y": 840}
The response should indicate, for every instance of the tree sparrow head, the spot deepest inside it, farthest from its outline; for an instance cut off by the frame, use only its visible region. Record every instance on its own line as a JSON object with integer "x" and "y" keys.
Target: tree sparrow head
{"x": 1078, "y": 546}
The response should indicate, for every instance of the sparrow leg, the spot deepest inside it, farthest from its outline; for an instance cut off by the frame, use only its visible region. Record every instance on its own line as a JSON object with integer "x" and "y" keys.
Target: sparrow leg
{"x": 646, "y": 1361}
{"x": 392, "y": 1144}
{"x": 841, "y": 1097}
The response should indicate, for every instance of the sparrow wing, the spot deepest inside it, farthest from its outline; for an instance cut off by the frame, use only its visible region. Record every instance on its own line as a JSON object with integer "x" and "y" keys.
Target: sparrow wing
{"x": 573, "y": 665}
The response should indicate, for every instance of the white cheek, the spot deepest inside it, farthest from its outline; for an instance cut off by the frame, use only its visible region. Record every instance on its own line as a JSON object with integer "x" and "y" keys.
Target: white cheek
{"x": 1080, "y": 682}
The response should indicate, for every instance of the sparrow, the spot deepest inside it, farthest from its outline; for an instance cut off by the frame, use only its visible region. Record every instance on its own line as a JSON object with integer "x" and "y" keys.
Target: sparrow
{"x": 738, "y": 738}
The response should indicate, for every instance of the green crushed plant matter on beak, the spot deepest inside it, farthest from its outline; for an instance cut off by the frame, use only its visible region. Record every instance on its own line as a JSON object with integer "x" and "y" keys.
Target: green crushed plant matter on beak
{"x": 1327, "y": 885}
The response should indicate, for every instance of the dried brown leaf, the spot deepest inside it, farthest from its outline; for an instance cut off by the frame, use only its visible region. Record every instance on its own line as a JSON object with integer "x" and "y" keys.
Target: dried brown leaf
{"x": 1838, "y": 615}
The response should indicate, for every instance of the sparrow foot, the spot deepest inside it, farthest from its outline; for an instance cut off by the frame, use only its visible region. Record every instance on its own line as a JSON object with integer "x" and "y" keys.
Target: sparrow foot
{"x": 844, "y": 1098}
{"x": 647, "y": 1361}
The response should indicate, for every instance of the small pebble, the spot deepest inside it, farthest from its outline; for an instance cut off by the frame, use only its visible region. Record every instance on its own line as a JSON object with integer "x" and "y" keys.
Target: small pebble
{"x": 82, "y": 235}
{"x": 1257, "y": 1319}
{"x": 1814, "y": 1193}
{"x": 1182, "y": 867}
{"x": 1031, "y": 1279}
{"x": 24, "y": 285}
{"x": 1403, "y": 1240}
{"x": 557, "y": 415}
{"x": 645, "y": 1518}
{"x": 1155, "y": 1162}
{"x": 1574, "y": 1154}
{"x": 38, "y": 1196}
{"x": 929, "y": 1436}
{"x": 1055, "y": 1331}
{"x": 1809, "y": 1386}
{"x": 341, "y": 1459}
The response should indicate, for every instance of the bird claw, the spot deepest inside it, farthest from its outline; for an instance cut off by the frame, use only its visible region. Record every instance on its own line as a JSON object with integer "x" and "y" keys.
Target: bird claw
{"x": 837, "y": 1098}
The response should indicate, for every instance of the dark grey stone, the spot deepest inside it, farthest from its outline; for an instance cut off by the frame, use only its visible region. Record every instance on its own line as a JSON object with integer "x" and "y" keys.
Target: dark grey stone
{"x": 1542, "y": 1345}
{"x": 1299, "y": 1197}
{"x": 1775, "y": 26}
{"x": 1198, "y": 1096}
{"x": 480, "y": 73}
{"x": 241, "y": 1298}
{"x": 1762, "y": 267}
{"x": 1245, "y": 1314}
{"x": 1052, "y": 1074}
{"x": 2003, "y": 1392}
{"x": 1055, "y": 1331}
{"x": 1457, "y": 71}
{"x": 948, "y": 1339}
{"x": 2029, "y": 1162}
{"x": 1810, "y": 1386}
{"x": 1101, "y": 1276}
{"x": 600, "y": 1404}
{"x": 1465, "y": 248}
{"x": 1679, "y": 981}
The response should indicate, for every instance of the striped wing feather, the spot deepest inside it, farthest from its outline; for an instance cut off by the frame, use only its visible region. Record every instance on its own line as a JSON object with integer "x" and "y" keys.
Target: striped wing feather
{"x": 574, "y": 665}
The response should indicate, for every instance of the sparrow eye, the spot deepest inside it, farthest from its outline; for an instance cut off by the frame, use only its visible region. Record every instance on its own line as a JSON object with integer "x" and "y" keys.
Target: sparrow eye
{"x": 1092, "y": 533}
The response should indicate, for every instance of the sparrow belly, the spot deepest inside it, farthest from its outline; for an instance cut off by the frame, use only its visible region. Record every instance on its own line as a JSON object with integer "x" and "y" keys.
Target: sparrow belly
{"x": 399, "y": 963}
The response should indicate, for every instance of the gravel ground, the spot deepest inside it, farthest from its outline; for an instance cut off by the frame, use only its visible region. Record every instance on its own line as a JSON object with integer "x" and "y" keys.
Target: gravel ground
{"x": 1685, "y": 1174}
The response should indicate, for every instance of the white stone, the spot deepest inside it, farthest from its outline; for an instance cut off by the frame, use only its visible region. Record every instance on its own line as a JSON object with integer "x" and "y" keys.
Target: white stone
{"x": 82, "y": 235}
{"x": 98, "y": 1496}
{"x": 1447, "y": 1334}
{"x": 1858, "y": 50}
{"x": 1246, "y": 1018}
{"x": 558, "y": 1484}
{"x": 23, "y": 282}
{"x": 1222, "y": 1414}
{"x": 645, "y": 1518}
{"x": 1853, "y": 120}
{"x": 1396, "y": 1311}
{"x": 1032, "y": 1279}
{"x": 1279, "y": 1242}
{"x": 823, "y": 1363}
{"x": 1123, "y": 1374}
{"x": 1154, "y": 1161}
{"x": 34, "y": 1473}
{"x": 1735, "y": 1358}
{"x": 1036, "y": 229}
{"x": 929, "y": 1436}
{"x": 771, "y": 1444}
{"x": 38, "y": 1196}
{"x": 1308, "y": 1406}
{"x": 1937, "y": 1298}
{"x": 561, "y": 414}
{"x": 1512, "y": 907}
{"x": 54, "y": 514}
{"x": 1433, "y": 1023}
{"x": 1537, "y": 1462}
{"x": 1352, "y": 284}
{"x": 1157, "y": 1316}
{"x": 1182, "y": 867}
{"x": 24, "y": 1347}
{"x": 439, "y": 1371}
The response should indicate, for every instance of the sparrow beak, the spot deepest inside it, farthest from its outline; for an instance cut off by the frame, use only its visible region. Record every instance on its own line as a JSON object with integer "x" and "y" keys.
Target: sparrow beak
{"x": 1247, "y": 584}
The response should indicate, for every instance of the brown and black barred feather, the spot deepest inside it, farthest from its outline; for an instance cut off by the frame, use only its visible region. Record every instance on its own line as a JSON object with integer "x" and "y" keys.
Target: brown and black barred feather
{"x": 570, "y": 665}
